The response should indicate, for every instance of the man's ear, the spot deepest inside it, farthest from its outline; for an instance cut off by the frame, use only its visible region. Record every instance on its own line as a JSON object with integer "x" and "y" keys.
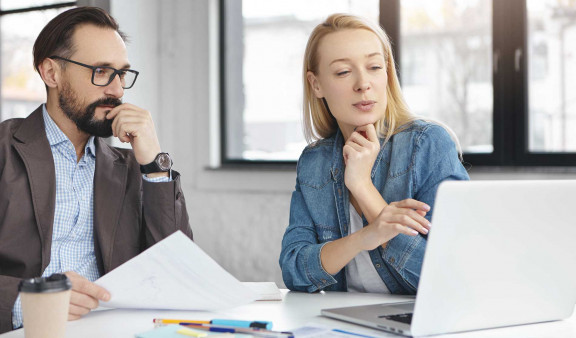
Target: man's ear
{"x": 50, "y": 72}
{"x": 315, "y": 84}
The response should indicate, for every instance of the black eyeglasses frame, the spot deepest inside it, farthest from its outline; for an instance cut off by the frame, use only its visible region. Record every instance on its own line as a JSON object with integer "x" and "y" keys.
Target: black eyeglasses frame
{"x": 112, "y": 76}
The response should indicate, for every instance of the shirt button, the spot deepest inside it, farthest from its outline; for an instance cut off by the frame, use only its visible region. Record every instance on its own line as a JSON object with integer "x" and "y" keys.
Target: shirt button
{"x": 391, "y": 260}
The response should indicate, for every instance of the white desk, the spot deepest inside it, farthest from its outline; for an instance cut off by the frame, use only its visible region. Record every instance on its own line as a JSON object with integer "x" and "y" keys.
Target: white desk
{"x": 296, "y": 310}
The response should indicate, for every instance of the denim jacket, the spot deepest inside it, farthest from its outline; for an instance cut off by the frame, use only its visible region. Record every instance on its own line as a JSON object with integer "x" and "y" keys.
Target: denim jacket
{"x": 411, "y": 165}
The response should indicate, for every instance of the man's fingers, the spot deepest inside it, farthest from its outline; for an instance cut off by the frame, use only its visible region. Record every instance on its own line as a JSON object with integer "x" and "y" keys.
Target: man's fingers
{"x": 77, "y": 311}
{"x": 73, "y": 317}
{"x": 94, "y": 290}
{"x": 83, "y": 300}
{"x": 82, "y": 285}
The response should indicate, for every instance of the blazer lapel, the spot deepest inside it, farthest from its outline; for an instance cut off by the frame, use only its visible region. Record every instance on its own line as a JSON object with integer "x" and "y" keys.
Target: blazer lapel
{"x": 109, "y": 190}
{"x": 33, "y": 147}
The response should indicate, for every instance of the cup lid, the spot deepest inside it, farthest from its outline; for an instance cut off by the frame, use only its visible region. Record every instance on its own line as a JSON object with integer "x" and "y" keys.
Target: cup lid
{"x": 54, "y": 283}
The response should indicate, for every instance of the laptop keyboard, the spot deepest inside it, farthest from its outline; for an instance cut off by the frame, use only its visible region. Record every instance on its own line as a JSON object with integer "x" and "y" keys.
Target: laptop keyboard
{"x": 403, "y": 318}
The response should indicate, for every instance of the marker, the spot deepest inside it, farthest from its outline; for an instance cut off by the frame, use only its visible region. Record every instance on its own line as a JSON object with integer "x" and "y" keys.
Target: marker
{"x": 260, "y": 324}
{"x": 228, "y": 329}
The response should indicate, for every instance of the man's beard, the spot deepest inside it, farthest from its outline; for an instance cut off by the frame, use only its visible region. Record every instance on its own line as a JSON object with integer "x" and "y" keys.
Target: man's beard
{"x": 83, "y": 117}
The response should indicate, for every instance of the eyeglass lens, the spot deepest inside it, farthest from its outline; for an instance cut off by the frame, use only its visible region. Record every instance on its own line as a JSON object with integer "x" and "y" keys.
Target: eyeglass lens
{"x": 104, "y": 76}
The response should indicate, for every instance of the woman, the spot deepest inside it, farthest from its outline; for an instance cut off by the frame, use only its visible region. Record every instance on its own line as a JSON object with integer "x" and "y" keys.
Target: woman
{"x": 359, "y": 216}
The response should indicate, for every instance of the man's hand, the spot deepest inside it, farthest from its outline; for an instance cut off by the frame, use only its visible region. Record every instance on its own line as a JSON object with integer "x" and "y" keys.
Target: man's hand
{"x": 134, "y": 125}
{"x": 85, "y": 296}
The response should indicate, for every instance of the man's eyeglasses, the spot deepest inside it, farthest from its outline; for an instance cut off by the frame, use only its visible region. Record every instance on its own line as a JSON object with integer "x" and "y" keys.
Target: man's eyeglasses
{"x": 103, "y": 76}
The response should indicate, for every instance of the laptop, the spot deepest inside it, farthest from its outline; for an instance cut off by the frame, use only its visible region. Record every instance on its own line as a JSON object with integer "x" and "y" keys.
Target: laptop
{"x": 500, "y": 253}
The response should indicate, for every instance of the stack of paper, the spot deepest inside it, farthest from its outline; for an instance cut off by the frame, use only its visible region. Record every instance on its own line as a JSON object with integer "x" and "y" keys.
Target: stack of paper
{"x": 174, "y": 274}
{"x": 265, "y": 290}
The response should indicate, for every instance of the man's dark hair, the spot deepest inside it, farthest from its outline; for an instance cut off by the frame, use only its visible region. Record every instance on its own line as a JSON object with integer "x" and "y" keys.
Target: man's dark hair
{"x": 56, "y": 37}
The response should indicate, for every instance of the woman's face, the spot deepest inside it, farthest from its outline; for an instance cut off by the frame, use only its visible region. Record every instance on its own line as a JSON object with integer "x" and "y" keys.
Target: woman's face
{"x": 352, "y": 77}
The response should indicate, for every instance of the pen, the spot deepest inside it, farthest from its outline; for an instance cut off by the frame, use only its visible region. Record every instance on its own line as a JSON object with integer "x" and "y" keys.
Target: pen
{"x": 257, "y": 324}
{"x": 352, "y": 333}
{"x": 252, "y": 331}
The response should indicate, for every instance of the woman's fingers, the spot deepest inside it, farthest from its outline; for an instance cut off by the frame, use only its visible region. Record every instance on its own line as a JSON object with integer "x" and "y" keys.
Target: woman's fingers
{"x": 412, "y": 204}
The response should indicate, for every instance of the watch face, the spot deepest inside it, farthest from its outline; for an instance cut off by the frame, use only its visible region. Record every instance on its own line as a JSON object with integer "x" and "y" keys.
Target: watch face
{"x": 164, "y": 161}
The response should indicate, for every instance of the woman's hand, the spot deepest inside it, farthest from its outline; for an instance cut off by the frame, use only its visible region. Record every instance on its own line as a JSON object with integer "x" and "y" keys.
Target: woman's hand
{"x": 360, "y": 152}
{"x": 402, "y": 217}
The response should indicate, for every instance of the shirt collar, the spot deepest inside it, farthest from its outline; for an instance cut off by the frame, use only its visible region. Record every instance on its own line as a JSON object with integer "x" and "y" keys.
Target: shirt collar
{"x": 57, "y": 136}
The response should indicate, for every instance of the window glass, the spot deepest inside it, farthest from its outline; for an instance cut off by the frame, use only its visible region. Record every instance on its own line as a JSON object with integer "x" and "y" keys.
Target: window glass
{"x": 551, "y": 73}
{"x": 6, "y": 5}
{"x": 446, "y": 66}
{"x": 22, "y": 88}
{"x": 263, "y": 73}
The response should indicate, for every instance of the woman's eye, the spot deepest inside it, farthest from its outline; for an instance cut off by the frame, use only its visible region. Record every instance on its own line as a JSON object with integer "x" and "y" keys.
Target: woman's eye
{"x": 343, "y": 73}
{"x": 376, "y": 67}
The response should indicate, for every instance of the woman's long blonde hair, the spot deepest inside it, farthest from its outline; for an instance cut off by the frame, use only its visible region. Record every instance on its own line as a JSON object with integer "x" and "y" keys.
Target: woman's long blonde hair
{"x": 318, "y": 121}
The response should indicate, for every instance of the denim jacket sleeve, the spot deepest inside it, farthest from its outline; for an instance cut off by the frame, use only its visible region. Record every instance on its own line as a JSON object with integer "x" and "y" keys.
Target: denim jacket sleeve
{"x": 300, "y": 256}
{"x": 435, "y": 159}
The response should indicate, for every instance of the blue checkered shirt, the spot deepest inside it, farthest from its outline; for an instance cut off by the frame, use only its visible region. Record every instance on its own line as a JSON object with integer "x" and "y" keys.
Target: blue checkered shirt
{"x": 73, "y": 228}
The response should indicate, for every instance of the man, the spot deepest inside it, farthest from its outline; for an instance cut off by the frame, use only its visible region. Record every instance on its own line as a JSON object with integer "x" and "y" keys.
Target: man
{"x": 68, "y": 201}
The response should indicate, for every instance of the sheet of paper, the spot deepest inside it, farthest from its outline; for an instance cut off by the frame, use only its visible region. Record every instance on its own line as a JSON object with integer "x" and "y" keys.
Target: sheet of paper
{"x": 174, "y": 274}
{"x": 265, "y": 290}
{"x": 313, "y": 330}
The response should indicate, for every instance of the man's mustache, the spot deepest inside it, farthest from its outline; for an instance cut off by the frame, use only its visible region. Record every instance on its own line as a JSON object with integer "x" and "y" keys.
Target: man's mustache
{"x": 108, "y": 101}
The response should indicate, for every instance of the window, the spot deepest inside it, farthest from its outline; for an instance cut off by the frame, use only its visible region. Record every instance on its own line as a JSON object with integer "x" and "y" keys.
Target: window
{"x": 502, "y": 74}
{"x": 22, "y": 89}
{"x": 263, "y": 46}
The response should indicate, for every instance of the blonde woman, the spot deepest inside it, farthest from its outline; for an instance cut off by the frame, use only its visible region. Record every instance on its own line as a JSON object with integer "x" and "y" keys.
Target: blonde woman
{"x": 365, "y": 189}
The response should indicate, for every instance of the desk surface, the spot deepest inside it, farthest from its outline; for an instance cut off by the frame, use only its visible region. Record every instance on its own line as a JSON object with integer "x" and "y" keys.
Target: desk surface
{"x": 296, "y": 310}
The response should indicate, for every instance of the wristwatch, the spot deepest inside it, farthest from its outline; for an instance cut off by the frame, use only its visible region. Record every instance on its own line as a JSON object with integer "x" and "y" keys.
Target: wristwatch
{"x": 161, "y": 163}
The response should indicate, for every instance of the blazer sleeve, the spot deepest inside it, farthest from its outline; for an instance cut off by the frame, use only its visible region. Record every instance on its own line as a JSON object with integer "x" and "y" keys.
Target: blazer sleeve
{"x": 164, "y": 210}
{"x": 8, "y": 295}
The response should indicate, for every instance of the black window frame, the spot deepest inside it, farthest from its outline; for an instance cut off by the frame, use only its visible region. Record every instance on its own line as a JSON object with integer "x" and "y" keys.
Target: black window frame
{"x": 510, "y": 91}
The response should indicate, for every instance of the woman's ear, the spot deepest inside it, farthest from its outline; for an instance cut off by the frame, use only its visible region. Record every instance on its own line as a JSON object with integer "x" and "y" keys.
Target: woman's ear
{"x": 50, "y": 72}
{"x": 315, "y": 84}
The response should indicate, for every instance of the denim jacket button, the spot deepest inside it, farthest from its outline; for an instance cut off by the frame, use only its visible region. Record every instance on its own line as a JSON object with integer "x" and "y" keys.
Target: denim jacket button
{"x": 391, "y": 260}
{"x": 336, "y": 171}
{"x": 339, "y": 192}
{"x": 323, "y": 281}
{"x": 378, "y": 265}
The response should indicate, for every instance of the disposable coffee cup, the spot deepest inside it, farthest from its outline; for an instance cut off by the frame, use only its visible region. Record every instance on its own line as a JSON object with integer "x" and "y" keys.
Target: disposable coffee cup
{"x": 45, "y": 302}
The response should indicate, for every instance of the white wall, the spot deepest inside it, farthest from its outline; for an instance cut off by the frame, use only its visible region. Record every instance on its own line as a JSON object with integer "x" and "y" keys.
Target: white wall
{"x": 238, "y": 216}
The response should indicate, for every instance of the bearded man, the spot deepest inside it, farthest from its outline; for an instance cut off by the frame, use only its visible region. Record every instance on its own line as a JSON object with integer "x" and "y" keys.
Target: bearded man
{"x": 69, "y": 202}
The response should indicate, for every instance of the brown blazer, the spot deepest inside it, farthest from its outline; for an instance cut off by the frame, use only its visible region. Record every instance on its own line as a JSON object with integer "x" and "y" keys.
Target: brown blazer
{"x": 130, "y": 214}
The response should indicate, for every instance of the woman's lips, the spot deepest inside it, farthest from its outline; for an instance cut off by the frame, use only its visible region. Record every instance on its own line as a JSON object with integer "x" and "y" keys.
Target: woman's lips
{"x": 364, "y": 106}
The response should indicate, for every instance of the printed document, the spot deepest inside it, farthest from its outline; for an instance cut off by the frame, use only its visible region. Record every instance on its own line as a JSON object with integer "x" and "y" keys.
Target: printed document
{"x": 174, "y": 274}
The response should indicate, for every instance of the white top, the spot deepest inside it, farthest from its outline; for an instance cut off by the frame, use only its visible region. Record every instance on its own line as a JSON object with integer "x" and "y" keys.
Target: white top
{"x": 361, "y": 274}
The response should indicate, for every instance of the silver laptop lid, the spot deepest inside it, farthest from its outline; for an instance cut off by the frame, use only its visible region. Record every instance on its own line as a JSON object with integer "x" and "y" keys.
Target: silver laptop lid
{"x": 499, "y": 253}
